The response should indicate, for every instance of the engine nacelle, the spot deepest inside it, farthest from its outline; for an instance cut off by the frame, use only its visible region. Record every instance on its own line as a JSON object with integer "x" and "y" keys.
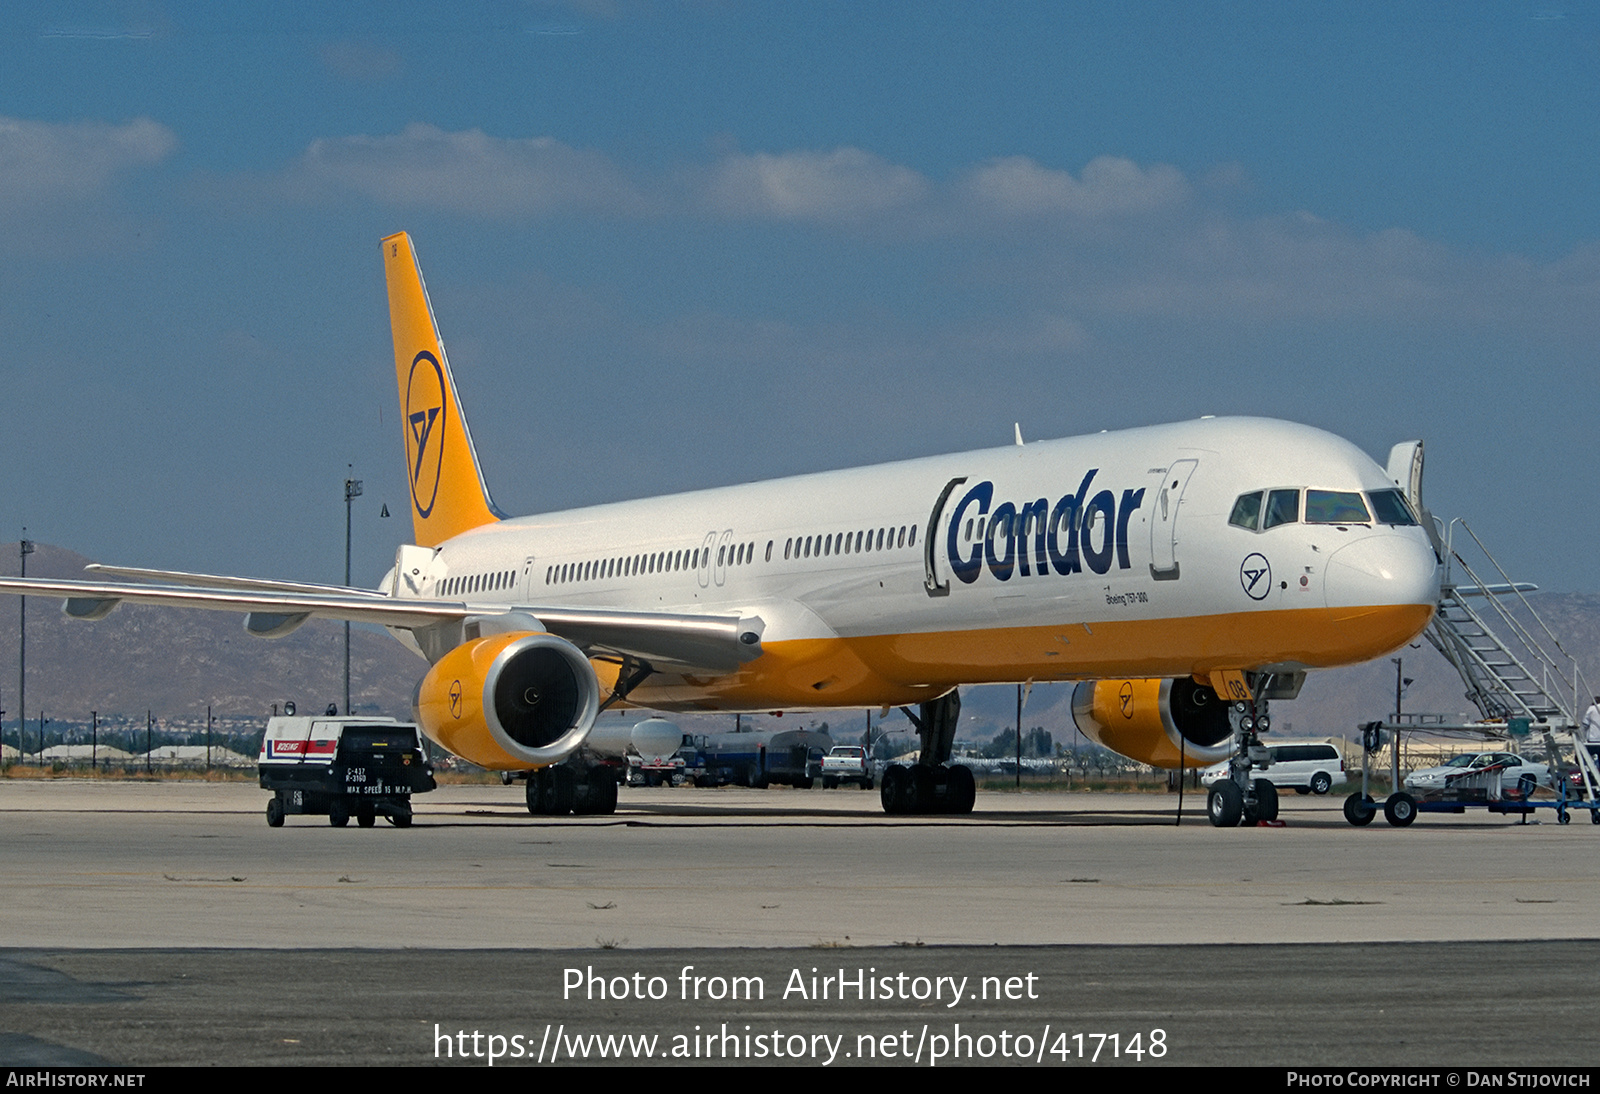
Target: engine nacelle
{"x": 510, "y": 702}
{"x": 1148, "y": 720}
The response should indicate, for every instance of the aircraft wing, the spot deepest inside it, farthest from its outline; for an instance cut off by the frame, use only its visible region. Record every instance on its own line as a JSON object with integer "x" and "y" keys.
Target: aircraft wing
{"x": 218, "y": 581}
{"x": 683, "y": 642}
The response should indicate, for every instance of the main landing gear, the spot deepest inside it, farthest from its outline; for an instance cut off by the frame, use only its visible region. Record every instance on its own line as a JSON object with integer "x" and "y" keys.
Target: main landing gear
{"x": 564, "y": 788}
{"x": 1238, "y": 799}
{"x": 933, "y": 784}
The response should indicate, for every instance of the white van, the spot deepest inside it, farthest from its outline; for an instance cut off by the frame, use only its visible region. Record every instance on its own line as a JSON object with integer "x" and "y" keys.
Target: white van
{"x": 1308, "y": 767}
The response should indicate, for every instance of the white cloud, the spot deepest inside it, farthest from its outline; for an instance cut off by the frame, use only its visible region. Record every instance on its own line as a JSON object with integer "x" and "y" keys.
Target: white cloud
{"x": 1290, "y": 266}
{"x": 840, "y": 185}
{"x": 44, "y": 163}
{"x": 469, "y": 172}
{"x": 1108, "y": 186}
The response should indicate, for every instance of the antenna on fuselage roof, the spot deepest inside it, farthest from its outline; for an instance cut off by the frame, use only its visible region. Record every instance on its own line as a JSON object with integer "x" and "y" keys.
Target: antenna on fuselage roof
{"x": 1017, "y": 427}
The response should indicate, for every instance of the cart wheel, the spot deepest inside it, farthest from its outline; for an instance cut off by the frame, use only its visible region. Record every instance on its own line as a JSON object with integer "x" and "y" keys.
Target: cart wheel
{"x": 366, "y": 817}
{"x": 401, "y": 817}
{"x": 1358, "y": 809}
{"x": 1594, "y": 815}
{"x": 274, "y": 812}
{"x": 1563, "y": 816}
{"x": 1400, "y": 810}
{"x": 338, "y": 813}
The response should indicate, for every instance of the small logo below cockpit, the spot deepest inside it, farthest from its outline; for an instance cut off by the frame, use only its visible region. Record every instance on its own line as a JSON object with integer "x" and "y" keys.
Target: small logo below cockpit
{"x": 1255, "y": 574}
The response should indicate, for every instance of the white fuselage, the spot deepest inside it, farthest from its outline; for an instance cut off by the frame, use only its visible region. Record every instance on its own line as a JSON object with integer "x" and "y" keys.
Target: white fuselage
{"x": 1089, "y": 557}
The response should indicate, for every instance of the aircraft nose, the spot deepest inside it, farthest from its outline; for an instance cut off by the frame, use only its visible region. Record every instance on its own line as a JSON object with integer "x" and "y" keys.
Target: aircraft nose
{"x": 1386, "y": 568}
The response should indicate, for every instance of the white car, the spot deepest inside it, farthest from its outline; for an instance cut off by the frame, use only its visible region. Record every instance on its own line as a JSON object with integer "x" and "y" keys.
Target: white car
{"x": 1306, "y": 767}
{"x": 1513, "y": 770}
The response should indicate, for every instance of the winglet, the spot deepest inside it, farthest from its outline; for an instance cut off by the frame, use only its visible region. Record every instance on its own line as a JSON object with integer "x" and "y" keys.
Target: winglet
{"x": 448, "y": 495}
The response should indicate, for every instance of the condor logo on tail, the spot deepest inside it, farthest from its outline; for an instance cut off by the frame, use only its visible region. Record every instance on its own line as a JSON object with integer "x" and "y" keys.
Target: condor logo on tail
{"x": 425, "y": 420}
{"x": 447, "y": 492}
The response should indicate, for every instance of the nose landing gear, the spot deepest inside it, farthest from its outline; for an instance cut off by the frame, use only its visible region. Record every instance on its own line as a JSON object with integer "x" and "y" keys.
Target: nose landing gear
{"x": 1239, "y": 799}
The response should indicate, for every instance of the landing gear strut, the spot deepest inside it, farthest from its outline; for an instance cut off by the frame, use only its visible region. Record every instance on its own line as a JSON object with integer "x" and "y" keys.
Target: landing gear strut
{"x": 1237, "y": 799}
{"x": 932, "y": 784}
{"x": 566, "y": 788}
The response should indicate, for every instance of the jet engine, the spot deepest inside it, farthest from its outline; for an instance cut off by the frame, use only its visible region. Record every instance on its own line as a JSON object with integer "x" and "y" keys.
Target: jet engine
{"x": 510, "y": 702}
{"x": 1149, "y": 720}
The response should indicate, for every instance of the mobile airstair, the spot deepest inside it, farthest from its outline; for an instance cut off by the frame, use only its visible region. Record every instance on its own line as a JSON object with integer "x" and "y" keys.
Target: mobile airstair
{"x": 1524, "y": 683}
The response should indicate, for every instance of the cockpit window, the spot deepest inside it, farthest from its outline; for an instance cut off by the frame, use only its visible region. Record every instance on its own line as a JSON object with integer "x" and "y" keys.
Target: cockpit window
{"x": 1283, "y": 507}
{"x": 1335, "y": 507}
{"x": 1247, "y": 512}
{"x": 1391, "y": 507}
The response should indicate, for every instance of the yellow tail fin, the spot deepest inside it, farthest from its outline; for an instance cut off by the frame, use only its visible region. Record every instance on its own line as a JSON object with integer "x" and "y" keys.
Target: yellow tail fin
{"x": 448, "y": 496}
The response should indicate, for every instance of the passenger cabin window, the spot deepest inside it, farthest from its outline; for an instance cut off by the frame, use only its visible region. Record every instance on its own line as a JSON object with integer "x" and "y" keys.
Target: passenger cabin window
{"x": 1335, "y": 507}
{"x": 1283, "y": 507}
{"x": 1391, "y": 507}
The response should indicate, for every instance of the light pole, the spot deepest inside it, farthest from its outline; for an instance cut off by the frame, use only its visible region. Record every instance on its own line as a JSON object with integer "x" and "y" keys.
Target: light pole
{"x": 352, "y": 491}
{"x": 24, "y": 549}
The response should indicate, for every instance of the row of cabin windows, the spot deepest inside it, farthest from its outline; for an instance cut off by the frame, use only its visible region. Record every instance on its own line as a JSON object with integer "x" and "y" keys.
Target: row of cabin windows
{"x": 737, "y": 554}
{"x": 659, "y": 562}
{"x": 466, "y": 584}
{"x": 845, "y": 543}
{"x": 1269, "y": 508}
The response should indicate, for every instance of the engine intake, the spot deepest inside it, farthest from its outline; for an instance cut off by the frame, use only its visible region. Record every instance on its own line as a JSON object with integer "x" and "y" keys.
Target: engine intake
{"x": 1149, "y": 720}
{"x": 509, "y": 702}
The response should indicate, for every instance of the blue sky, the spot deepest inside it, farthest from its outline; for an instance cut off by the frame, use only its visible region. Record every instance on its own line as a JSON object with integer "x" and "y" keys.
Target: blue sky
{"x": 680, "y": 245}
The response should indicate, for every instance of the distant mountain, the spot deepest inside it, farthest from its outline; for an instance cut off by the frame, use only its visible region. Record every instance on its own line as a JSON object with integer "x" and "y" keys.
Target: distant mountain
{"x": 174, "y": 661}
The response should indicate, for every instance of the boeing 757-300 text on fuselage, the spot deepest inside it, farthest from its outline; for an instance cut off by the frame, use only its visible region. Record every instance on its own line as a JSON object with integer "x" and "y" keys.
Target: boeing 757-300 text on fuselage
{"x": 1184, "y": 574}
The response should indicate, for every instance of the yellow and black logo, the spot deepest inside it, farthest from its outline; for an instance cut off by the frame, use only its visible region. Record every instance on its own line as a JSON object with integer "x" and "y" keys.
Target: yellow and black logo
{"x": 425, "y": 420}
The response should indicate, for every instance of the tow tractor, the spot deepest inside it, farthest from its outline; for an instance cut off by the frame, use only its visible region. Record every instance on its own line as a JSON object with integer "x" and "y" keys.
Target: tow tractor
{"x": 342, "y": 768}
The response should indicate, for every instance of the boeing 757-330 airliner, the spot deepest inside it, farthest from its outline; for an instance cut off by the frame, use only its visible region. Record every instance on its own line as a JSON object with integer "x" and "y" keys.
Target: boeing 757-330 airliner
{"x": 1184, "y": 574}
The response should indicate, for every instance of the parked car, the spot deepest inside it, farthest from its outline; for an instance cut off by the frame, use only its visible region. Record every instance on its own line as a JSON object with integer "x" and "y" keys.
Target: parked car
{"x": 1513, "y": 770}
{"x": 1306, "y": 767}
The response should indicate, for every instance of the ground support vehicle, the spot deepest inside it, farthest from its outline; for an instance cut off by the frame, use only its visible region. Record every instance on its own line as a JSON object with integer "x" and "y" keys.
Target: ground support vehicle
{"x": 759, "y": 758}
{"x": 846, "y": 764}
{"x": 342, "y": 768}
{"x": 1455, "y": 792}
{"x": 671, "y": 771}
